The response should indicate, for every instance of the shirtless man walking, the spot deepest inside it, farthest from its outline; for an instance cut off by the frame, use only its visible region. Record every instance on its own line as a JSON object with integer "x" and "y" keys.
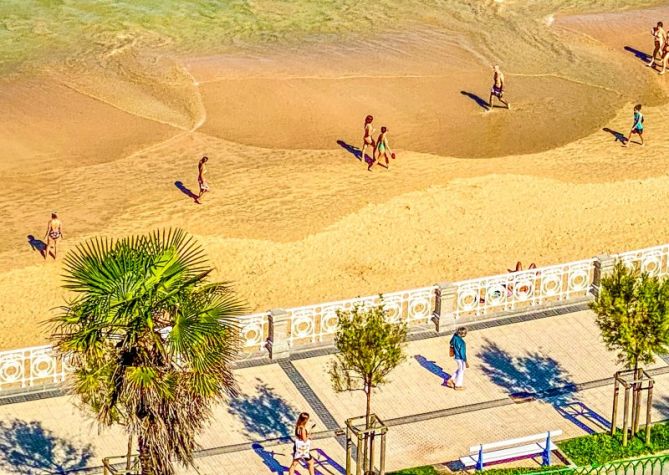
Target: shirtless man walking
{"x": 201, "y": 179}
{"x": 54, "y": 231}
{"x": 660, "y": 37}
{"x": 497, "y": 87}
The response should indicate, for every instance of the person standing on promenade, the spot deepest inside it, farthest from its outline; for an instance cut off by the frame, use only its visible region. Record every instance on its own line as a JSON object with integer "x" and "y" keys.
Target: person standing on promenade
{"x": 368, "y": 139}
{"x": 458, "y": 349}
{"x": 660, "y": 40}
{"x": 54, "y": 231}
{"x": 637, "y": 128}
{"x": 382, "y": 148}
{"x": 201, "y": 179}
{"x": 497, "y": 87}
{"x": 302, "y": 445}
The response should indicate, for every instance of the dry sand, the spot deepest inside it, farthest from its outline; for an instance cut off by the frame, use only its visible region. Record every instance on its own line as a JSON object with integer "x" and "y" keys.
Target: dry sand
{"x": 293, "y": 218}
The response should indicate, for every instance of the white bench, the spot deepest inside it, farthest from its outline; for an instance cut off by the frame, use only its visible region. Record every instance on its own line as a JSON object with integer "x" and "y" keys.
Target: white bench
{"x": 483, "y": 454}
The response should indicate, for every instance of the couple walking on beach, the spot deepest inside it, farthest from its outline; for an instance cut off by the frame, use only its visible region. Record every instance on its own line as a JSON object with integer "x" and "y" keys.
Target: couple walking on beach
{"x": 380, "y": 147}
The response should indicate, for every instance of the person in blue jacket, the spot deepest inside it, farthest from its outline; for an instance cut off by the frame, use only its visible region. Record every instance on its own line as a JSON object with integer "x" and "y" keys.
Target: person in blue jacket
{"x": 459, "y": 352}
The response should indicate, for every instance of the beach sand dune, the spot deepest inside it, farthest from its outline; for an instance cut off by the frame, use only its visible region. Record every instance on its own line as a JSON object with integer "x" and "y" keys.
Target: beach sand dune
{"x": 295, "y": 218}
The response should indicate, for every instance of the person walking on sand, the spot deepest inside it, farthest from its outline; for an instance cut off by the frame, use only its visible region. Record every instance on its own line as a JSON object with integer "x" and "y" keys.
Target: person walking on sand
{"x": 497, "y": 88}
{"x": 660, "y": 37}
{"x": 665, "y": 57}
{"x": 302, "y": 445}
{"x": 54, "y": 231}
{"x": 458, "y": 350}
{"x": 201, "y": 179}
{"x": 637, "y": 128}
{"x": 382, "y": 148}
{"x": 368, "y": 139}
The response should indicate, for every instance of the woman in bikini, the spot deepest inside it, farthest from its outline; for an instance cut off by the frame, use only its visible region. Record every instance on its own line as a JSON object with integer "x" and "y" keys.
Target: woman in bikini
{"x": 382, "y": 148}
{"x": 302, "y": 445}
{"x": 54, "y": 231}
{"x": 367, "y": 140}
{"x": 201, "y": 180}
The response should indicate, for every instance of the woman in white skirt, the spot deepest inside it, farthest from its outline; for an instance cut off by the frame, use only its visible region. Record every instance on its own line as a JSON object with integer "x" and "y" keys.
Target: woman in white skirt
{"x": 302, "y": 445}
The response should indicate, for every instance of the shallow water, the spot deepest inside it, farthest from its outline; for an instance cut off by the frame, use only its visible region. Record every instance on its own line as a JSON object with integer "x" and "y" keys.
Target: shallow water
{"x": 130, "y": 53}
{"x": 34, "y": 31}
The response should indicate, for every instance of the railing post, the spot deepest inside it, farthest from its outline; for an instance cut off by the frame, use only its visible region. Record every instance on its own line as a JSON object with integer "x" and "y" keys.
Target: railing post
{"x": 604, "y": 265}
{"x": 445, "y": 304}
{"x": 279, "y": 334}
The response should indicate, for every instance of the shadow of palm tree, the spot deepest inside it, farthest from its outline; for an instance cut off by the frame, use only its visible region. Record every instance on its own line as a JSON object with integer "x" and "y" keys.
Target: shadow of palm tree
{"x": 265, "y": 413}
{"x": 29, "y": 448}
{"x": 538, "y": 376}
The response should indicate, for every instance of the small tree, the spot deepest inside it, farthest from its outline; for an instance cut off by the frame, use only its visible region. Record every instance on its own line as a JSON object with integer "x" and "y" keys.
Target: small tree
{"x": 633, "y": 316}
{"x": 369, "y": 349}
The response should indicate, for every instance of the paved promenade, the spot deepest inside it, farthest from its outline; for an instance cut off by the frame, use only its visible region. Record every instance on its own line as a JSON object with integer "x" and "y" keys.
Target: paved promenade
{"x": 560, "y": 358}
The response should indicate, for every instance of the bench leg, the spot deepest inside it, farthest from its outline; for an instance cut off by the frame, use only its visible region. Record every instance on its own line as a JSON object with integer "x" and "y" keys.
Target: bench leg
{"x": 546, "y": 457}
{"x": 479, "y": 462}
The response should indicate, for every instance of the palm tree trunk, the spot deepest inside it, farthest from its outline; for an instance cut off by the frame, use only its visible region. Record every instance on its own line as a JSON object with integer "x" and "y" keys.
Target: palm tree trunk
{"x": 128, "y": 461}
{"x": 145, "y": 457}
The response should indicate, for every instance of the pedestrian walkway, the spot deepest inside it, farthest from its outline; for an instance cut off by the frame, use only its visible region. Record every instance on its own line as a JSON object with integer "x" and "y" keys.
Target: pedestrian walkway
{"x": 558, "y": 360}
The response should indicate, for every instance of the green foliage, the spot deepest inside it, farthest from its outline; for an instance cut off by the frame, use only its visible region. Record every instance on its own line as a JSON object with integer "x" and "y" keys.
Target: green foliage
{"x": 602, "y": 448}
{"x": 369, "y": 348}
{"x": 521, "y": 470}
{"x": 150, "y": 340}
{"x": 427, "y": 470}
{"x": 633, "y": 315}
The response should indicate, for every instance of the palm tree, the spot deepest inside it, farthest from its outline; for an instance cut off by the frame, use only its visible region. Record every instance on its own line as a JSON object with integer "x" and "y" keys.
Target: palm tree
{"x": 150, "y": 340}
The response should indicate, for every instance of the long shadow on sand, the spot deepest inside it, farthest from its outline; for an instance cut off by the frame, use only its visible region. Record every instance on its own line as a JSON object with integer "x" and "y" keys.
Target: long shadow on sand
{"x": 645, "y": 57}
{"x": 618, "y": 136}
{"x": 37, "y": 245}
{"x": 479, "y": 100}
{"x": 355, "y": 151}
{"x": 182, "y": 188}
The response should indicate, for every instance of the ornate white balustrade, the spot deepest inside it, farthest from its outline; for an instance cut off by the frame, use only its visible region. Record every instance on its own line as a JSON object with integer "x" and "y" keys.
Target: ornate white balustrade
{"x": 254, "y": 331}
{"x": 293, "y": 328}
{"x": 514, "y": 291}
{"x": 27, "y": 367}
{"x": 653, "y": 260}
{"x": 314, "y": 323}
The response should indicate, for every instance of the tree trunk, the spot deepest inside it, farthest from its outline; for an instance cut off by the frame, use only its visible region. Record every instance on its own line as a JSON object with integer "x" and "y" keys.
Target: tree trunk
{"x": 368, "y": 413}
{"x": 145, "y": 458}
{"x": 637, "y": 406}
{"x": 128, "y": 461}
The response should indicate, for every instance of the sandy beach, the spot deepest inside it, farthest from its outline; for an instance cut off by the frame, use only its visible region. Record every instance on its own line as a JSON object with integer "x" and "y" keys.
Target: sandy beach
{"x": 293, "y": 217}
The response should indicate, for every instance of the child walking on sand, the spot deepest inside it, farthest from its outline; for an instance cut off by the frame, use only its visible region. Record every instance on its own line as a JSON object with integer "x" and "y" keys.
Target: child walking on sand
{"x": 637, "y": 128}
{"x": 382, "y": 148}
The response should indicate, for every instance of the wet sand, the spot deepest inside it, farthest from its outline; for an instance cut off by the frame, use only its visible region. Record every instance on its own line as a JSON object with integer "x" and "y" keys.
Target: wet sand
{"x": 294, "y": 218}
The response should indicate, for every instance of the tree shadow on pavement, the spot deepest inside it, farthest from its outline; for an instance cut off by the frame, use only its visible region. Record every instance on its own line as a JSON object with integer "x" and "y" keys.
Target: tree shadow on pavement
{"x": 536, "y": 376}
{"x": 29, "y": 448}
{"x": 264, "y": 414}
